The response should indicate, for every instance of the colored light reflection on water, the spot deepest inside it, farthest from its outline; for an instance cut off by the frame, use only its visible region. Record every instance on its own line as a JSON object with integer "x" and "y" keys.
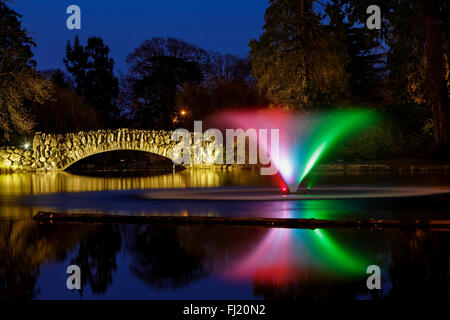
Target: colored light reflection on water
{"x": 288, "y": 255}
{"x": 216, "y": 262}
{"x": 337, "y": 256}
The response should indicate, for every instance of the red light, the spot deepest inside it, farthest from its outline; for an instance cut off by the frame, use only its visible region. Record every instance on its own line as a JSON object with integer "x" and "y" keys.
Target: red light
{"x": 284, "y": 189}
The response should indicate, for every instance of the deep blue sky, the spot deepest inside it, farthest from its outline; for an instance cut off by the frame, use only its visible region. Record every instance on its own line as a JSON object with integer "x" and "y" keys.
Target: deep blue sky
{"x": 224, "y": 26}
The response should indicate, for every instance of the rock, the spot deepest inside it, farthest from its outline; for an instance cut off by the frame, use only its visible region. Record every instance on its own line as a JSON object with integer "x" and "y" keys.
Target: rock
{"x": 5, "y": 163}
{"x": 15, "y": 157}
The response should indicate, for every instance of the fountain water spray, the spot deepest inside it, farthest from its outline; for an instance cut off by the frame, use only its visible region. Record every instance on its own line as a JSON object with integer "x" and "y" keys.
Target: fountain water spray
{"x": 303, "y": 138}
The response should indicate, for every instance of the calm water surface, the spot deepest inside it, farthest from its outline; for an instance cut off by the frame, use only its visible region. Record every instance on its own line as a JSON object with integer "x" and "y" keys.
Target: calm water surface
{"x": 216, "y": 262}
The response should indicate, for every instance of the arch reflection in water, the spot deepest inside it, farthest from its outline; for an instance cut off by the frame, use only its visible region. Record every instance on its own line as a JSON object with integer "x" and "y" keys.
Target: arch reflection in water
{"x": 51, "y": 182}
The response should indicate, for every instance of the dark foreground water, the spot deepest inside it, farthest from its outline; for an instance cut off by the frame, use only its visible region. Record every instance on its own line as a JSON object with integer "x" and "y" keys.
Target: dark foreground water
{"x": 216, "y": 262}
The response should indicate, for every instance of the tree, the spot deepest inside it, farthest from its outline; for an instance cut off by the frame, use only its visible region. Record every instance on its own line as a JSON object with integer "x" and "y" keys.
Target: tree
{"x": 157, "y": 70}
{"x": 416, "y": 35}
{"x": 93, "y": 73}
{"x": 171, "y": 82}
{"x": 59, "y": 78}
{"x": 20, "y": 83}
{"x": 228, "y": 85}
{"x": 296, "y": 61}
{"x": 200, "y": 102}
{"x": 364, "y": 55}
{"x": 226, "y": 68}
{"x": 436, "y": 17}
{"x": 65, "y": 112}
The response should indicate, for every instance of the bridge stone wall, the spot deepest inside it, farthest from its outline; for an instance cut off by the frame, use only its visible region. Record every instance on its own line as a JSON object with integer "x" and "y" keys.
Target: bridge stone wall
{"x": 12, "y": 158}
{"x": 52, "y": 152}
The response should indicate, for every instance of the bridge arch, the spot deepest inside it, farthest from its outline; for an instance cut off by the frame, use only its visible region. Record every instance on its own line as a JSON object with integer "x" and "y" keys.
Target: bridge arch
{"x": 107, "y": 151}
{"x": 60, "y": 151}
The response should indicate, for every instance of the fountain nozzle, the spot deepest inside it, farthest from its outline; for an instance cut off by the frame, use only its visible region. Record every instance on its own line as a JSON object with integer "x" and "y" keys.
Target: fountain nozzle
{"x": 285, "y": 190}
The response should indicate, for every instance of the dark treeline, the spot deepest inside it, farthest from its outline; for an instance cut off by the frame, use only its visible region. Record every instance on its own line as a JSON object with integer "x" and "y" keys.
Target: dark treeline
{"x": 171, "y": 83}
{"x": 316, "y": 55}
{"x": 168, "y": 84}
{"x": 312, "y": 55}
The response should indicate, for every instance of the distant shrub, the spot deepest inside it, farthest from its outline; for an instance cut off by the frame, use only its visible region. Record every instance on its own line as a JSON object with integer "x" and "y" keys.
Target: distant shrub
{"x": 371, "y": 144}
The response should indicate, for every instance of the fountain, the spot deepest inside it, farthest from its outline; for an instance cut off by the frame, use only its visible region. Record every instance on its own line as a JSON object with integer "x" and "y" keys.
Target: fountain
{"x": 302, "y": 142}
{"x": 303, "y": 138}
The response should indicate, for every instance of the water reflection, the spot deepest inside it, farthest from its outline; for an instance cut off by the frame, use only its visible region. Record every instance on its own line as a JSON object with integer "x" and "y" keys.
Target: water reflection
{"x": 24, "y": 246}
{"x": 287, "y": 257}
{"x": 256, "y": 262}
{"x": 203, "y": 262}
{"x": 13, "y": 187}
{"x": 96, "y": 256}
{"x": 52, "y": 182}
{"x": 160, "y": 261}
{"x": 22, "y": 195}
{"x": 133, "y": 202}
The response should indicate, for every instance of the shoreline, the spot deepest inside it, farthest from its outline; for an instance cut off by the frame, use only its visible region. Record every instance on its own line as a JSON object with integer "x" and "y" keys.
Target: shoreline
{"x": 380, "y": 166}
{"x": 51, "y": 217}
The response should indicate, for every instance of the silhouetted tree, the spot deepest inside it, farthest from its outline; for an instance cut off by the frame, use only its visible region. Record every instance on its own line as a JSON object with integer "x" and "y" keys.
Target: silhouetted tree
{"x": 364, "y": 55}
{"x": 96, "y": 256}
{"x": 170, "y": 82}
{"x": 200, "y": 102}
{"x": 157, "y": 70}
{"x": 59, "y": 78}
{"x": 65, "y": 112}
{"x": 92, "y": 70}
{"x": 226, "y": 68}
{"x": 416, "y": 35}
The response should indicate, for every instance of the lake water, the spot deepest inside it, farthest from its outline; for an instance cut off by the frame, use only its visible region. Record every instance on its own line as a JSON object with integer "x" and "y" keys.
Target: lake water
{"x": 161, "y": 261}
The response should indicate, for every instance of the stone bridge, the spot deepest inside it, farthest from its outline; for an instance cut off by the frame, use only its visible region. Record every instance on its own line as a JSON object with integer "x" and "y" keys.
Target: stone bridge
{"x": 59, "y": 151}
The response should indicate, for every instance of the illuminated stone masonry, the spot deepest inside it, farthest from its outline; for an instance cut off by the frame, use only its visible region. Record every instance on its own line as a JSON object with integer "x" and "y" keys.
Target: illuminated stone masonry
{"x": 52, "y": 152}
{"x": 13, "y": 158}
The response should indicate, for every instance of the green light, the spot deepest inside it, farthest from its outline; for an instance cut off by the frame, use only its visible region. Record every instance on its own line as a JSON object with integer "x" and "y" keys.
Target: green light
{"x": 337, "y": 257}
{"x": 312, "y": 161}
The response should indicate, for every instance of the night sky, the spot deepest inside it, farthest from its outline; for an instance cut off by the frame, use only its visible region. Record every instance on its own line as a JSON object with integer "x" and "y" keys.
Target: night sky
{"x": 224, "y": 26}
